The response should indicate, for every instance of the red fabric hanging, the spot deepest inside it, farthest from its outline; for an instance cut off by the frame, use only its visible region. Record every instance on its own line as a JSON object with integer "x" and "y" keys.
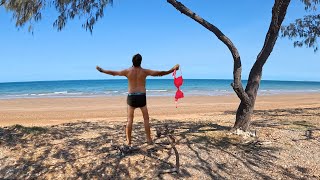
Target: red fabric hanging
{"x": 178, "y": 81}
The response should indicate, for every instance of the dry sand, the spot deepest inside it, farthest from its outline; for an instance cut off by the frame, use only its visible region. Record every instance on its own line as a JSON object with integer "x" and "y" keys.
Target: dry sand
{"x": 82, "y": 138}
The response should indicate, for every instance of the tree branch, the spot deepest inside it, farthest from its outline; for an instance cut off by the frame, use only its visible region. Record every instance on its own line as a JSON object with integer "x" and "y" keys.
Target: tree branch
{"x": 236, "y": 85}
{"x": 278, "y": 14}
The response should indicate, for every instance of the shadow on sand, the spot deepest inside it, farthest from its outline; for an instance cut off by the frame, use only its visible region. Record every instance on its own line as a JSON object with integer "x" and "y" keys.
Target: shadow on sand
{"x": 89, "y": 150}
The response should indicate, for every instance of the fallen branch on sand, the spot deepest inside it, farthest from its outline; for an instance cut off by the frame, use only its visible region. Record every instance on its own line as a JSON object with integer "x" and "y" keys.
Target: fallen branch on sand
{"x": 168, "y": 133}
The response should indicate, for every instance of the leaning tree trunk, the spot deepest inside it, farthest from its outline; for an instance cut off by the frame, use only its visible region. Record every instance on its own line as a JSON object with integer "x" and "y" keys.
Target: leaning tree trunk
{"x": 247, "y": 96}
{"x": 245, "y": 110}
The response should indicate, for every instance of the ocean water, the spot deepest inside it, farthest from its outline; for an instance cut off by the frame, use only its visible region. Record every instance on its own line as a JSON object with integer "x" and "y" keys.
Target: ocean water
{"x": 155, "y": 87}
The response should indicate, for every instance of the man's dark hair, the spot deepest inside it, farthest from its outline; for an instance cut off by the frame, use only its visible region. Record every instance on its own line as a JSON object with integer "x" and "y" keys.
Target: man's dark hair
{"x": 136, "y": 60}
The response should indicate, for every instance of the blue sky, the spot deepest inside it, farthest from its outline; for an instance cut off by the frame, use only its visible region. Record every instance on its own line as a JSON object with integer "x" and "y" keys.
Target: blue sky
{"x": 161, "y": 34}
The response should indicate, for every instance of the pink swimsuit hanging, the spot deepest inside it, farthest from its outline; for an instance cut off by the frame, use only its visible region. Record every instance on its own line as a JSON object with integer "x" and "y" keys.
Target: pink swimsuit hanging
{"x": 178, "y": 81}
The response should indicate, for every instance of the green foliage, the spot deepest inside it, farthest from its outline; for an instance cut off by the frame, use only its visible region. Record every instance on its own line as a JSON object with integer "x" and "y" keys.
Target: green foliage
{"x": 30, "y": 11}
{"x": 310, "y": 4}
{"x": 305, "y": 30}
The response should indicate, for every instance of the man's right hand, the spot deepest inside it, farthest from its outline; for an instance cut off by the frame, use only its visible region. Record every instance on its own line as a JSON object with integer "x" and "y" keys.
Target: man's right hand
{"x": 99, "y": 68}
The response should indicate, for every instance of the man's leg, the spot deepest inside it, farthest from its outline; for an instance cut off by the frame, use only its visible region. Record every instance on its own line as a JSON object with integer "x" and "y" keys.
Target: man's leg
{"x": 130, "y": 113}
{"x": 145, "y": 114}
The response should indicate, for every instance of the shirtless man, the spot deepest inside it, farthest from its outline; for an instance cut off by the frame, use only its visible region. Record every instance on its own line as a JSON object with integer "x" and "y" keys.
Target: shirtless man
{"x": 136, "y": 76}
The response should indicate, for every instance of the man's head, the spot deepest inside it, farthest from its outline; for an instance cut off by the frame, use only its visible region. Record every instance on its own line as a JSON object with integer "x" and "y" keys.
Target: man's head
{"x": 136, "y": 60}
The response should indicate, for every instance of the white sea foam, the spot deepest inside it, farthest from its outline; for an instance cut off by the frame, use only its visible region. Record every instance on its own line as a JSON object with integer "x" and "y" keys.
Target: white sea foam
{"x": 57, "y": 93}
{"x": 157, "y": 90}
{"x": 61, "y": 92}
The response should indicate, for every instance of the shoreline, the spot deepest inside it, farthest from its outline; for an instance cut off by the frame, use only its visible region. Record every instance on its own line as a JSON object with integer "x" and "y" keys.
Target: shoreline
{"x": 53, "y": 111}
{"x": 150, "y": 94}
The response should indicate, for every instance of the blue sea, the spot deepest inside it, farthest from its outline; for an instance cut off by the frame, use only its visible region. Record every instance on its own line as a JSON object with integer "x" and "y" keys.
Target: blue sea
{"x": 155, "y": 87}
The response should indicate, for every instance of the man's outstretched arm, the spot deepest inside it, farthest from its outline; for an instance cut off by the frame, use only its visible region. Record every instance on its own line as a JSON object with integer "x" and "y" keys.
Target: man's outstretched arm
{"x": 162, "y": 73}
{"x": 113, "y": 73}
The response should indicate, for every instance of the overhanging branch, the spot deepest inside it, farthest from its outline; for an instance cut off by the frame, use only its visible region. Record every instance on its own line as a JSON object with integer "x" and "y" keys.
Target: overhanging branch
{"x": 236, "y": 85}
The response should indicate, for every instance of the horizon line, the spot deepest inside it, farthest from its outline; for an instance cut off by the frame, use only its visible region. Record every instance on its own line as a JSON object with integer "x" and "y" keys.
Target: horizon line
{"x": 311, "y": 81}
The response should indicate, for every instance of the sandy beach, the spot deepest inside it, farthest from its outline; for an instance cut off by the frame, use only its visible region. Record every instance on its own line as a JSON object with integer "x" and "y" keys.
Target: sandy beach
{"x": 82, "y": 138}
{"x": 52, "y": 111}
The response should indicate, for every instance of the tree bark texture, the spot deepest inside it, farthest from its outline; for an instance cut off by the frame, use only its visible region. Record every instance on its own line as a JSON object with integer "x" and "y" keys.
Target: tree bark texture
{"x": 247, "y": 96}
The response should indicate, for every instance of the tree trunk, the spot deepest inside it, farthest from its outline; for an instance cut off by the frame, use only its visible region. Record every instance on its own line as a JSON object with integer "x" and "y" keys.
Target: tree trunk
{"x": 247, "y": 96}
{"x": 245, "y": 110}
{"x": 243, "y": 116}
